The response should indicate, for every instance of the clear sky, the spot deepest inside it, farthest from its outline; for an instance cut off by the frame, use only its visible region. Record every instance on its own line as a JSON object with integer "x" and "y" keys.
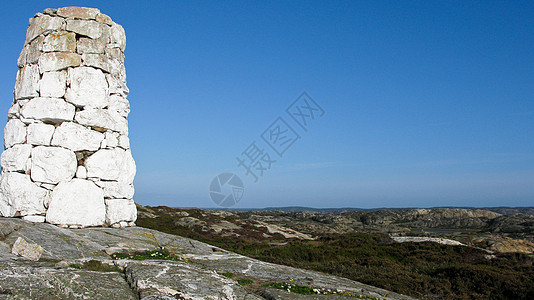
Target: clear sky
{"x": 427, "y": 103}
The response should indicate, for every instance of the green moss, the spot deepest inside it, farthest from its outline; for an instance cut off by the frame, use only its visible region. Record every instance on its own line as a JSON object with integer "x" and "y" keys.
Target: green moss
{"x": 228, "y": 274}
{"x": 244, "y": 281}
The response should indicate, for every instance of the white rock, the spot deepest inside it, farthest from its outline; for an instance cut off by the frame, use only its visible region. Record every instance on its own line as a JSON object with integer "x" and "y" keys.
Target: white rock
{"x": 111, "y": 164}
{"x": 106, "y": 34}
{"x": 30, "y": 53}
{"x": 77, "y": 202}
{"x": 124, "y": 142}
{"x": 55, "y": 61}
{"x": 81, "y": 172}
{"x": 116, "y": 68}
{"x": 30, "y": 251}
{"x": 120, "y": 210}
{"x": 14, "y": 133}
{"x": 21, "y": 61}
{"x": 111, "y": 139}
{"x": 52, "y": 164}
{"x": 88, "y": 87}
{"x": 103, "y": 118}
{"x": 122, "y": 73}
{"x": 119, "y": 104}
{"x": 15, "y": 158}
{"x": 114, "y": 53}
{"x": 117, "y": 86}
{"x": 40, "y": 25}
{"x": 115, "y": 189}
{"x": 102, "y": 18}
{"x": 23, "y": 102}
{"x": 27, "y": 85}
{"x": 14, "y": 111}
{"x": 36, "y": 219}
{"x": 28, "y": 121}
{"x": 118, "y": 36}
{"x": 60, "y": 41}
{"x": 48, "y": 109}
{"x": 99, "y": 61}
{"x": 28, "y": 166}
{"x": 53, "y": 84}
{"x": 49, "y": 187}
{"x": 85, "y": 27}
{"x": 78, "y": 12}
{"x": 86, "y": 45}
{"x": 76, "y": 137}
{"x": 40, "y": 134}
{"x": 19, "y": 194}
{"x": 33, "y": 51}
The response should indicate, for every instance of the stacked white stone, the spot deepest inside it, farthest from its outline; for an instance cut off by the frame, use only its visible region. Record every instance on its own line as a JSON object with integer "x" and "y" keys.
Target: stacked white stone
{"x": 67, "y": 158}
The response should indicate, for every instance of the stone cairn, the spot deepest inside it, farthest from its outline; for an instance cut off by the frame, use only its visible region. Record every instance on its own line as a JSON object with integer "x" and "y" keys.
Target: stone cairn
{"x": 67, "y": 158}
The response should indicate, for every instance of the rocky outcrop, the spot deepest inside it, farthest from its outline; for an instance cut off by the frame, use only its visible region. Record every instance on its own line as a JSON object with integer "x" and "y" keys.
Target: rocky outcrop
{"x": 430, "y": 218}
{"x": 417, "y": 239}
{"x": 67, "y": 157}
{"x": 96, "y": 263}
{"x": 515, "y": 223}
{"x": 279, "y": 227}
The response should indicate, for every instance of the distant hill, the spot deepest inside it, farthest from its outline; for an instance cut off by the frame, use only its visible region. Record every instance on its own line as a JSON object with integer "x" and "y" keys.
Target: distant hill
{"x": 501, "y": 210}
{"x": 512, "y": 210}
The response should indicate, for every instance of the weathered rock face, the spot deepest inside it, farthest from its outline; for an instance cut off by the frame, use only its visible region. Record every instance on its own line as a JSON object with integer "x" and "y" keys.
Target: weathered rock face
{"x": 198, "y": 273}
{"x": 67, "y": 157}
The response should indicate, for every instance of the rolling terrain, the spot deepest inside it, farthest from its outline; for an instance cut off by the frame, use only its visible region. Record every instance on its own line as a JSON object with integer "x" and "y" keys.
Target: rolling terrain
{"x": 409, "y": 251}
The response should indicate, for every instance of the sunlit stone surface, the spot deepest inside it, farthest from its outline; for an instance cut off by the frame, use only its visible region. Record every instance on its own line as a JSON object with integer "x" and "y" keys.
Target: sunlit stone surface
{"x": 67, "y": 156}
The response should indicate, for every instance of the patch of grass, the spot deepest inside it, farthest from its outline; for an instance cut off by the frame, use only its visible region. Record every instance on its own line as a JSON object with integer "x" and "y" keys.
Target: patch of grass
{"x": 76, "y": 266}
{"x": 121, "y": 256}
{"x": 228, "y": 274}
{"x": 95, "y": 265}
{"x": 49, "y": 260}
{"x": 244, "y": 281}
{"x": 153, "y": 254}
{"x": 306, "y": 290}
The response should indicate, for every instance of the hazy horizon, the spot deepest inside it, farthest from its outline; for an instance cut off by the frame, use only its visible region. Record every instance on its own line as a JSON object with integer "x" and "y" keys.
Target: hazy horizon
{"x": 340, "y": 208}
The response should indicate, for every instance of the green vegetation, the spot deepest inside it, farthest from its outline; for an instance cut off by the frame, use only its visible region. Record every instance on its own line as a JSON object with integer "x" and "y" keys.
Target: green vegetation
{"x": 228, "y": 274}
{"x": 241, "y": 280}
{"x": 154, "y": 254}
{"x": 306, "y": 290}
{"x": 95, "y": 265}
{"x": 423, "y": 270}
{"x": 244, "y": 281}
{"x": 418, "y": 269}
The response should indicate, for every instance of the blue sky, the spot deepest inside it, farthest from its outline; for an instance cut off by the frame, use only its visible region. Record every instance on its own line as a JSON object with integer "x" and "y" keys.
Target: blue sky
{"x": 427, "y": 103}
